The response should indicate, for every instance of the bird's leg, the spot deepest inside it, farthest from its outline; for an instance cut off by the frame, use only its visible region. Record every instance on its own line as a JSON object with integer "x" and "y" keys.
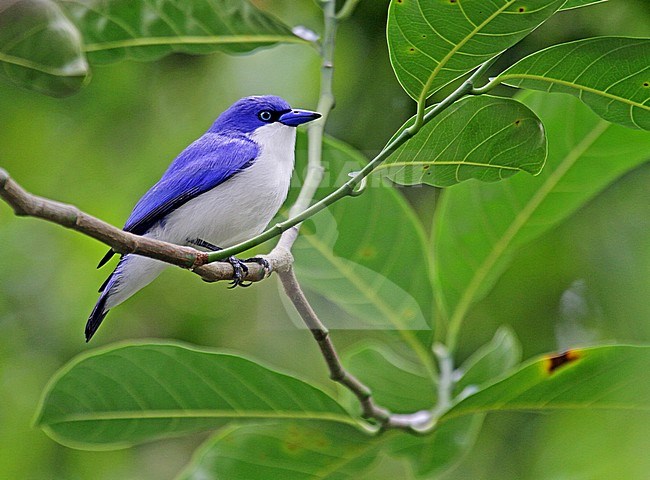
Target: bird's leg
{"x": 198, "y": 242}
{"x": 240, "y": 269}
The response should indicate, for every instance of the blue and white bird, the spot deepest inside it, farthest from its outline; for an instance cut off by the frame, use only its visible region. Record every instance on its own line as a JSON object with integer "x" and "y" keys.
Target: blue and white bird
{"x": 221, "y": 190}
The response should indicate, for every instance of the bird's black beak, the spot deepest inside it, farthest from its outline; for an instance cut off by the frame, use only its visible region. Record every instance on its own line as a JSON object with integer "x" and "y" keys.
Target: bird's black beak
{"x": 293, "y": 118}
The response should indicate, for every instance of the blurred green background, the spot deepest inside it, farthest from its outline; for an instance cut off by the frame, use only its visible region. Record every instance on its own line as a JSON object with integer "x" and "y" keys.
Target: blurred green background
{"x": 585, "y": 282}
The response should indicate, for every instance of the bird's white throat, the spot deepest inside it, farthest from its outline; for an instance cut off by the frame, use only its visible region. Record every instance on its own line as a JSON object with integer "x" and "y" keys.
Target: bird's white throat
{"x": 277, "y": 143}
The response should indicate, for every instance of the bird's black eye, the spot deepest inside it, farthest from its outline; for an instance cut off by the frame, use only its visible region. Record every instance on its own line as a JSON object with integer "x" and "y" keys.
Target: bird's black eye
{"x": 265, "y": 116}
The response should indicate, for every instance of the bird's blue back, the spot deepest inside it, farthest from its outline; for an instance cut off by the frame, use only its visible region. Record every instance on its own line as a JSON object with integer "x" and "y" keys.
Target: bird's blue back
{"x": 206, "y": 163}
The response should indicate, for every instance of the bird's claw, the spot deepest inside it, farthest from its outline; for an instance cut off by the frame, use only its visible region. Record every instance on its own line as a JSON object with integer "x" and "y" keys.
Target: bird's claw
{"x": 240, "y": 270}
{"x": 263, "y": 262}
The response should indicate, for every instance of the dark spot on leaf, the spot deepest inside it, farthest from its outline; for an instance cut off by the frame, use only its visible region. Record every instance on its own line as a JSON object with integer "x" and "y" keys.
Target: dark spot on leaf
{"x": 557, "y": 361}
{"x": 424, "y": 35}
{"x": 426, "y": 167}
{"x": 521, "y": 9}
{"x": 294, "y": 440}
{"x": 411, "y": 50}
{"x": 292, "y": 447}
{"x": 452, "y": 1}
{"x": 367, "y": 251}
{"x": 400, "y": 1}
{"x": 518, "y": 121}
{"x": 646, "y": 84}
{"x": 408, "y": 313}
{"x": 322, "y": 443}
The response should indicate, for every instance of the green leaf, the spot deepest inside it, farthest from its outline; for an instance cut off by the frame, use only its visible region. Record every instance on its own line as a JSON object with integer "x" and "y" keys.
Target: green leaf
{"x": 119, "y": 396}
{"x": 610, "y": 74}
{"x": 590, "y": 378}
{"x": 595, "y": 378}
{"x": 287, "y": 451}
{"x": 479, "y": 226}
{"x": 490, "y": 361}
{"x": 398, "y": 384}
{"x": 350, "y": 255}
{"x": 487, "y": 138}
{"x": 147, "y": 30}
{"x": 433, "y": 42}
{"x": 324, "y": 451}
{"x": 570, "y": 4}
{"x": 40, "y": 49}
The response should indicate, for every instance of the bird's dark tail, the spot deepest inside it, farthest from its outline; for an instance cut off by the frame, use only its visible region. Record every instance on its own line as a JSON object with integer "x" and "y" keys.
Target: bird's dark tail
{"x": 132, "y": 273}
{"x": 106, "y": 258}
{"x": 96, "y": 317}
{"x": 99, "y": 312}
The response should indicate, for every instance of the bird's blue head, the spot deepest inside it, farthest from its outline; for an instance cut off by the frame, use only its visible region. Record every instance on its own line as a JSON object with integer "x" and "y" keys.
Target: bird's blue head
{"x": 250, "y": 113}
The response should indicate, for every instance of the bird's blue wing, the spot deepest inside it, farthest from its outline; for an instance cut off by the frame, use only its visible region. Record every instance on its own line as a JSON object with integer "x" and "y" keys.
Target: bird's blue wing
{"x": 206, "y": 163}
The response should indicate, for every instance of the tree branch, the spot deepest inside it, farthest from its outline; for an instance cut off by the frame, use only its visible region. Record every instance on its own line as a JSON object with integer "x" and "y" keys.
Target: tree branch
{"x": 69, "y": 216}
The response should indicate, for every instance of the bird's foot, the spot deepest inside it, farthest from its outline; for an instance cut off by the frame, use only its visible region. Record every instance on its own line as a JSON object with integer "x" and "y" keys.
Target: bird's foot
{"x": 240, "y": 270}
{"x": 239, "y": 267}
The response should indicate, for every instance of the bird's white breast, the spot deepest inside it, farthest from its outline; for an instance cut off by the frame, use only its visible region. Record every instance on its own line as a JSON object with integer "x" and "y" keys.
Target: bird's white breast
{"x": 242, "y": 206}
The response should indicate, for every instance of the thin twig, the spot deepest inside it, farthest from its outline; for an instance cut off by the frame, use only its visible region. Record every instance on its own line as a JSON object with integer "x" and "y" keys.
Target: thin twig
{"x": 338, "y": 373}
{"x": 347, "y": 9}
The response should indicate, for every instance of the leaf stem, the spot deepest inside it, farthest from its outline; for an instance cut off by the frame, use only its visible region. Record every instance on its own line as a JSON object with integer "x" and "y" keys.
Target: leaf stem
{"x": 321, "y": 335}
{"x": 193, "y": 40}
{"x": 445, "y": 380}
{"x": 347, "y": 9}
{"x": 80, "y": 70}
{"x": 487, "y": 87}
